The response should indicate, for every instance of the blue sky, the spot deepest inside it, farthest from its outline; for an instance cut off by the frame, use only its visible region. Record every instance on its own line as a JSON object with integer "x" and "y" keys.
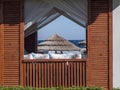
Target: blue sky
{"x": 63, "y": 27}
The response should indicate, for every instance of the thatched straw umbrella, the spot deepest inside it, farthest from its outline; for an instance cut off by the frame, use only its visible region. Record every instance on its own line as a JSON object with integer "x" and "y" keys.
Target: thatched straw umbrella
{"x": 57, "y": 43}
{"x": 82, "y": 43}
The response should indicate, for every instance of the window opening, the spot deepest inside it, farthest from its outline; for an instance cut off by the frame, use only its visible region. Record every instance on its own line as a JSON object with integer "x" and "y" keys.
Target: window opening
{"x": 62, "y": 20}
{"x": 62, "y": 28}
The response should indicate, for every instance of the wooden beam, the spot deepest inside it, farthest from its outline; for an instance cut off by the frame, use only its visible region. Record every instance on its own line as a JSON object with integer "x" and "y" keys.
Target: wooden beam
{"x": 31, "y": 43}
{"x": 1, "y": 43}
{"x": 12, "y": 30}
{"x": 32, "y": 28}
{"x": 66, "y": 15}
{"x": 110, "y": 46}
{"x": 21, "y": 40}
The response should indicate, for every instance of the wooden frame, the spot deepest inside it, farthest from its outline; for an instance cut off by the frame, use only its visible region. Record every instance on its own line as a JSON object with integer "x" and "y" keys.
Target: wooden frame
{"x": 30, "y": 43}
{"x": 110, "y": 46}
{"x": 21, "y": 41}
{"x": 11, "y": 31}
{"x": 2, "y": 43}
{"x": 96, "y": 29}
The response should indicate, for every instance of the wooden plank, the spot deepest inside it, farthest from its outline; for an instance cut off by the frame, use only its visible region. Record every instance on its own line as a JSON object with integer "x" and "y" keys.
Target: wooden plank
{"x": 11, "y": 11}
{"x": 63, "y": 70}
{"x": 34, "y": 78}
{"x": 56, "y": 75}
{"x": 31, "y": 74}
{"x": 48, "y": 82}
{"x": 53, "y": 60}
{"x": 59, "y": 73}
{"x": 51, "y": 72}
{"x": 28, "y": 74}
{"x": 45, "y": 74}
{"x": 84, "y": 73}
{"x": 68, "y": 75}
{"x": 71, "y": 78}
{"x": 77, "y": 69}
{"x": 74, "y": 74}
{"x": 110, "y": 45}
{"x": 40, "y": 76}
{"x": 37, "y": 75}
{"x": 24, "y": 74}
{"x": 42, "y": 68}
{"x": 80, "y": 73}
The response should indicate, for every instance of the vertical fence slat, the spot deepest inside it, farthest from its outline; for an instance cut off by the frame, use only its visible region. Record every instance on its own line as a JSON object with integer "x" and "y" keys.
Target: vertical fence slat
{"x": 54, "y": 74}
{"x": 40, "y": 72}
{"x": 68, "y": 75}
{"x": 74, "y": 74}
{"x": 37, "y": 74}
{"x": 25, "y": 76}
{"x": 71, "y": 74}
{"x": 62, "y": 70}
{"x": 34, "y": 70}
{"x": 50, "y": 78}
{"x": 42, "y": 75}
{"x": 77, "y": 74}
{"x": 31, "y": 73}
{"x": 56, "y": 79}
{"x": 28, "y": 74}
{"x": 48, "y": 75}
{"x": 45, "y": 78}
{"x": 84, "y": 74}
{"x": 80, "y": 66}
{"x": 59, "y": 73}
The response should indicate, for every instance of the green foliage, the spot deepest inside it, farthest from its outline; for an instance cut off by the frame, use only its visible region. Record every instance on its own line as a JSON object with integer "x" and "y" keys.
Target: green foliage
{"x": 116, "y": 88}
{"x": 94, "y": 88}
{"x": 51, "y": 88}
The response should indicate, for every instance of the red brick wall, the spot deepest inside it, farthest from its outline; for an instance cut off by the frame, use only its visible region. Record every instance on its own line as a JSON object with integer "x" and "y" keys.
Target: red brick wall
{"x": 98, "y": 44}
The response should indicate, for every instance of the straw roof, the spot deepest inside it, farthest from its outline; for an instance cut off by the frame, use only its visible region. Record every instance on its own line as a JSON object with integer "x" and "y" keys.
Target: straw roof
{"x": 82, "y": 42}
{"x": 57, "y": 43}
